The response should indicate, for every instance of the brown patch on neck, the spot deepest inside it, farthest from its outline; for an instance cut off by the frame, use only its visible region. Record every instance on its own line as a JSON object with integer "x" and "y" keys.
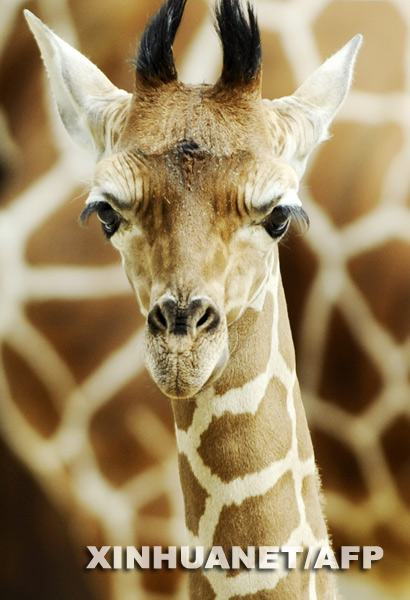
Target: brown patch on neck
{"x": 250, "y": 347}
{"x": 184, "y": 411}
{"x": 199, "y": 586}
{"x": 265, "y": 520}
{"x": 235, "y": 445}
{"x": 261, "y": 595}
{"x": 194, "y": 495}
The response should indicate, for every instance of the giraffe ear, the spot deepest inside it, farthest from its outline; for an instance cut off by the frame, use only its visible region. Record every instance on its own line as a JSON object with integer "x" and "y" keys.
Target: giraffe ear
{"x": 305, "y": 116}
{"x": 87, "y": 101}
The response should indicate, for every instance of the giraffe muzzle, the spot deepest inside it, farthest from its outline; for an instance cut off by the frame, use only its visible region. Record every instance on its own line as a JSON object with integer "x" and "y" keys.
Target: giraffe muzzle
{"x": 186, "y": 345}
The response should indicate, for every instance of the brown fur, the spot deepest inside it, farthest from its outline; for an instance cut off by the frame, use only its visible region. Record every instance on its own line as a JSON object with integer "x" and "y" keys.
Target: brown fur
{"x": 183, "y": 413}
{"x": 194, "y": 495}
{"x": 266, "y": 520}
{"x": 249, "y": 336}
{"x": 199, "y": 586}
{"x": 223, "y": 121}
{"x": 268, "y": 437}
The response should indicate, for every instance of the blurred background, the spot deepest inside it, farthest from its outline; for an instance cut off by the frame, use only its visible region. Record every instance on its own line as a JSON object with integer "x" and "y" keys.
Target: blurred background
{"x": 87, "y": 450}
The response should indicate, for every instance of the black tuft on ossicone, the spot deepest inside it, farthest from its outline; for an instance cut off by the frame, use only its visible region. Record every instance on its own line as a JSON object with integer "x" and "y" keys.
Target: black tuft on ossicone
{"x": 241, "y": 44}
{"x": 155, "y": 60}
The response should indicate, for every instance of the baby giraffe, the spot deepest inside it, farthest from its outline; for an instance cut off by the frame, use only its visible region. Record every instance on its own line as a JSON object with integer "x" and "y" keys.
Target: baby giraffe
{"x": 196, "y": 185}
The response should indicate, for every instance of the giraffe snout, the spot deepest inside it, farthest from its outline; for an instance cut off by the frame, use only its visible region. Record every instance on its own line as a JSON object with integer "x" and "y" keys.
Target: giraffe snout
{"x": 186, "y": 344}
{"x": 192, "y": 318}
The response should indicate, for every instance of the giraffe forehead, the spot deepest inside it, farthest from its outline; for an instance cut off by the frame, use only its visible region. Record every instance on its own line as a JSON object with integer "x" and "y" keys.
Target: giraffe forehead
{"x": 194, "y": 190}
{"x": 224, "y": 123}
{"x": 190, "y": 175}
{"x": 180, "y": 138}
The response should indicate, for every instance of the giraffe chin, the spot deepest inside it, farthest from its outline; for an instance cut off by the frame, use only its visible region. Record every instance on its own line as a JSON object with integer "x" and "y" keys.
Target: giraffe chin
{"x": 182, "y": 375}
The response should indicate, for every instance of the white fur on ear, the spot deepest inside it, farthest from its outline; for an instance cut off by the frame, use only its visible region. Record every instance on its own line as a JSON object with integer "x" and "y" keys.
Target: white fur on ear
{"x": 327, "y": 87}
{"x": 307, "y": 114}
{"x": 86, "y": 98}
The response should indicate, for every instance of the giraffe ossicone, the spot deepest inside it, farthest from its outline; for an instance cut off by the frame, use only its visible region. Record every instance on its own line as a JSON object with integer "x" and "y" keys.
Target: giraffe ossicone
{"x": 196, "y": 185}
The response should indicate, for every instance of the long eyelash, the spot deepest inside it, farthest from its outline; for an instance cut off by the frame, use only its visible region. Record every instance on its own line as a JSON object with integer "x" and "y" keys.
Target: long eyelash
{"x": 298, "y": 215}
{"x": 89, "y": 209}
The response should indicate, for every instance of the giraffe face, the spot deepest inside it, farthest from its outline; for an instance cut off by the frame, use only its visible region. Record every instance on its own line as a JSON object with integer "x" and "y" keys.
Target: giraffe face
{"x": 194, "y": 184}
{"x": 196, "y": 223}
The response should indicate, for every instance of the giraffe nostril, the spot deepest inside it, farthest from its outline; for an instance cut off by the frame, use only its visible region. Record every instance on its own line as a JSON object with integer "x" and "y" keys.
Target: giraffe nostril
{"x": 167, "y": 316}
{"x": 209, "y": 320}
{"x": 204, "y": 318}
{"x": 157, "y": 321}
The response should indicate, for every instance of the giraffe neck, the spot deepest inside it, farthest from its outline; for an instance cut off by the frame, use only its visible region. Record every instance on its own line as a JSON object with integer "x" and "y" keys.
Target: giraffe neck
{"x": 246, "y": 461}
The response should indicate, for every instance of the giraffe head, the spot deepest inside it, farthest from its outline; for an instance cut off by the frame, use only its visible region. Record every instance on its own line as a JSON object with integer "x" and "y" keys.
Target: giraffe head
{"x": 194, "y": 184}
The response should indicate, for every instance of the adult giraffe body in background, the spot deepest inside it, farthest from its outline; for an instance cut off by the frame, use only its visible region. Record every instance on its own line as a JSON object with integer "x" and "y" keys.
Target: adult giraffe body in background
{"x": 195, "y": 185}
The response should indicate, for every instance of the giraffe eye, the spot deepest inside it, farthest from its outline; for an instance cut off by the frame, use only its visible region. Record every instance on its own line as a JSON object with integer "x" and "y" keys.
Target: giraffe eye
{"x": 110, "y": 220}
{"x": 277, "y": 222}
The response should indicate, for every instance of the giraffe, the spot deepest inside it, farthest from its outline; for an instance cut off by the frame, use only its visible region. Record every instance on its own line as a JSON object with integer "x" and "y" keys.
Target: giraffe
{"x": 62, "y": 275}
{"x": 213, "y": 160}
